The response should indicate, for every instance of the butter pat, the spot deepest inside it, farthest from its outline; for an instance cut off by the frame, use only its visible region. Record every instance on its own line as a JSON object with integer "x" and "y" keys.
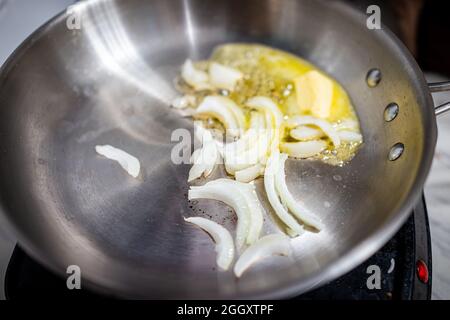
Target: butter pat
{"x": 314, "y": 93}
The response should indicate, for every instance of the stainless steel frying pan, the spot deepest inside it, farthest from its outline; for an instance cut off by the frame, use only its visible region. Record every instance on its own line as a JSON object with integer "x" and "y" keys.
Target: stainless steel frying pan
{"x": 66, "y": 90}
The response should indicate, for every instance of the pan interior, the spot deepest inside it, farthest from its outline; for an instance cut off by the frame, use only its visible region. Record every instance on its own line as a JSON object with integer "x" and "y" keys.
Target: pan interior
{"x": 111, "y": 82}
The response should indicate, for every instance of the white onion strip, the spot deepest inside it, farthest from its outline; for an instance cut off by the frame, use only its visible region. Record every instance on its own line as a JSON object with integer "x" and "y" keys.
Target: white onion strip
{"x": 222, "y": 238}
{"x": 244, "y": 157}
{"x": 347, "y": 124}
{"x": 257, "y": 120}
{"x": 304, "y": 149}
{"x": 257, "y": 124}
{"x": 231, "y": 197}
{"x": 224, "y": 77}
{"x": 267, "y": 246}
{"x": 184, "y": 102}
{"x": 350, "y": 136}
{"x": 194, "y": 77}
{"x": 128, "y": 162}
{"x": 269, "y": 184}
{"x": 239, "y": 161}
{"x": 225, "y": 110}
{"x": 254, "y": 206}
{"x": 267, "y": 105}
{"x": 305, "y": 133}
{"x": 325, "y": 126}
{"x": 273, "y": 115}
{"x": 249, "y": 174}
{"x": 205, "y": 158}
{"x": 288, "y": 200}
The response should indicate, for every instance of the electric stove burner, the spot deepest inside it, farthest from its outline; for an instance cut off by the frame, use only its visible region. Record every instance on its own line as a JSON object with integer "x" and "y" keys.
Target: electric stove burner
{"x": 400, "y": 270}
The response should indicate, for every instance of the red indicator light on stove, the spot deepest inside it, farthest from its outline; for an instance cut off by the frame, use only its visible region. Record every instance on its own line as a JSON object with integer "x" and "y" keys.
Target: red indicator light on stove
{"x": 422, "y": 271}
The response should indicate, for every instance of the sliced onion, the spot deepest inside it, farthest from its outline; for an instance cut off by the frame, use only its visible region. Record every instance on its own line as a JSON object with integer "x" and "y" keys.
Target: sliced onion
{"x": 128, "y": 162}
{"x": 273, "y": 115}
{"x": 235, "y": 110}
{"x": 249, "y": 174}
{"x": 305, "y": 133}
{"x": 197, "y": 79}
{"x": 270, "y": 245}
{"x": 231, "y": 197}
{"x": 244, "y": 143}
{"x": 222, "y": 238}
{"x": 245, "y": 147}
{"x": 257, "y": 121}
{"x": 324, "y": 125}
{"x": 248, "y": 153}
{"x": 242, "y": 160}
{"x": 197, "y": 169}
{"x": 257, "y": 125}
{"x": 203, "y": 160}
{"x": 201, "y": 133}
{"x": 267, "y": 105}
{"x": 347, "y": 124}
{"x": 184, "y": 102}
{"x": 288, "y": 200}
{"x": 253, "y": 205}
{"x": 224, "y": 77}
{"x": 304, "y": 149}
{"x": 226, "y": 111}
{"x": 350, "y": 136}
{"x": 269, "y": 184}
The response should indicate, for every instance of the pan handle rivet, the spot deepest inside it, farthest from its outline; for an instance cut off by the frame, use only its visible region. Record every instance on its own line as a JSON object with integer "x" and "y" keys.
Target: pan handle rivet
{"x": 373, "y": 77}
{"x": 391, "y": 112}
{"x": 396, "y": 151}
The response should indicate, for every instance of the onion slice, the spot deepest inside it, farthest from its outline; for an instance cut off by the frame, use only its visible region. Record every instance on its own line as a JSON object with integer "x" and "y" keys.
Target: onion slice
{"x": 222, "y": 238}
{"x": 304, "y": 149}
{"x": 184, "y": 102}
{"x": 347, "y": 124}
{"x": 197, "y": 79}
{"x": 238, "y": 161}
{"x": 257, "y": 120}
{"x": 350, "y": 136}
{"x": 224, "y": 77}
{"x": 288, "y": 200}
{"x": 269, "y": 185}
{"x": 247, "y": 155}
{"x": 249, "y": 174}
{"x": 205, "y": 158}
{"x": 305, "y": 133}
{"x": 257, "y": 125}
{"x": 128, "y": 162}
{"x": 254, "y": 206}
{"x": 273, "y": 115}
{"x": 267, "y": 246}
{"x": 231, "y": 197}
{"x": 225, "y": 110}
{"x": 325, "y": 126}
{"x": 267, "y": 105}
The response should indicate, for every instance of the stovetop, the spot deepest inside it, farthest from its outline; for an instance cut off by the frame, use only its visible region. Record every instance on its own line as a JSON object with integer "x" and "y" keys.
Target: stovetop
{"x": 392, "y": 273}
{"x": 399, "y": 263}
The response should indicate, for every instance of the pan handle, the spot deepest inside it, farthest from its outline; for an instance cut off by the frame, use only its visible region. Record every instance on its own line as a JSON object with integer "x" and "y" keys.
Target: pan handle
{"x": 440, "y": 87}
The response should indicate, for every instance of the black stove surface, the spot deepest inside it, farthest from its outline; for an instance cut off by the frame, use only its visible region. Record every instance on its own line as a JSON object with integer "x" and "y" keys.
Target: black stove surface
{"x": 395, "y": 265}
